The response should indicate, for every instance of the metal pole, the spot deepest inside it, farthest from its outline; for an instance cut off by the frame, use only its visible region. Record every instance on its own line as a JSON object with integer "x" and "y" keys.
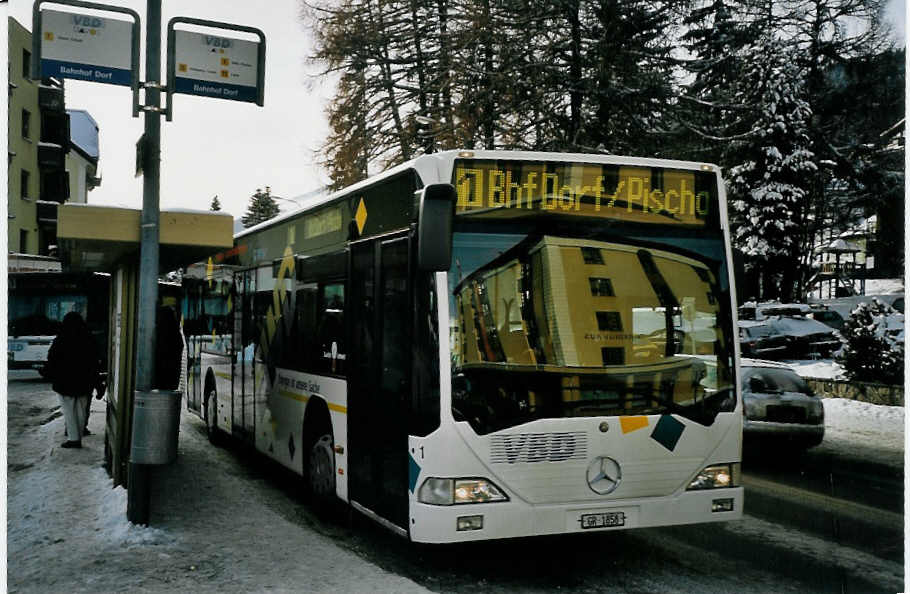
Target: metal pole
{"x": 137, "y": 510}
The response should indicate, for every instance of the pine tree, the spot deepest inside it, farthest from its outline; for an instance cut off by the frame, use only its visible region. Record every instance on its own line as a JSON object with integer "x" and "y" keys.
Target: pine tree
{"x": 708, "y": 111}
{"x": 262, "y": 207}
{"x": 216, "y": 206}
{"x": 771, "y": 181}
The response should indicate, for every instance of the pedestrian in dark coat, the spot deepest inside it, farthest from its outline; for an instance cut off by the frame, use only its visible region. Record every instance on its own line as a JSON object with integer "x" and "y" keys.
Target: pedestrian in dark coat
{"x": 168, "y": 350}
{"x": 73, "y": 366}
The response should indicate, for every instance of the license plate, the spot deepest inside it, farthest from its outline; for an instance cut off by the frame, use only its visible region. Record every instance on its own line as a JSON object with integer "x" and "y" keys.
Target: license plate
{"x": 602, "y": 520}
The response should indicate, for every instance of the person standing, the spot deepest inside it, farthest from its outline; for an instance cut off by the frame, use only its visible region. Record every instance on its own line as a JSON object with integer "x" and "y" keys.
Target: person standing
{"x": 72, "y": 367}
{"x": 168, "y": 350}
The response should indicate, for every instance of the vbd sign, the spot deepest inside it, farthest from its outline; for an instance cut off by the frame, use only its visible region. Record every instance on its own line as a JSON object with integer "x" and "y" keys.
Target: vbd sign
{"x": 214, "y": 66}
{"x": 86, "y": 47}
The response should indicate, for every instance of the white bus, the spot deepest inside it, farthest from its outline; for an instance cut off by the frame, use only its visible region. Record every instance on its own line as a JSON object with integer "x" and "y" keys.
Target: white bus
{"x": 484, "y": 344}
{"x": 36, "y": 305}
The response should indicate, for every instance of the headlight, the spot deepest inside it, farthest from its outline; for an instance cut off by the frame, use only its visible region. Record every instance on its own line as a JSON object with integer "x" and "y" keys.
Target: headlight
{"x": 439, "y": 491}
{"x": 716, "y": 476}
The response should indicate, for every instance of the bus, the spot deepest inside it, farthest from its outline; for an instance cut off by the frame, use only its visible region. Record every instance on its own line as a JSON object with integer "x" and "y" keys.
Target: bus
{"x": 37, "y": 303}
{"x": 488, "y": 344}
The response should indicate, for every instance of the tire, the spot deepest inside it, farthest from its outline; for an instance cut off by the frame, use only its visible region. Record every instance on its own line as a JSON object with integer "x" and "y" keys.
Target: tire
{"x": 321, "y": 474}
{"x": 211, "y": 411}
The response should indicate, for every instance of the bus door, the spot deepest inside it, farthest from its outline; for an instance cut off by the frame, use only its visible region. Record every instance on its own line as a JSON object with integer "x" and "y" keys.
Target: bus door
{"x": 379, "y": 383}
{"x": 243, "y": 357}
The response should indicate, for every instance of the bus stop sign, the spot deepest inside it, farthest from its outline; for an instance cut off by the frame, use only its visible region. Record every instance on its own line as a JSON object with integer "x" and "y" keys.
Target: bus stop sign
{"x": 214, "y": 65}
{"x": 88, "y": 47}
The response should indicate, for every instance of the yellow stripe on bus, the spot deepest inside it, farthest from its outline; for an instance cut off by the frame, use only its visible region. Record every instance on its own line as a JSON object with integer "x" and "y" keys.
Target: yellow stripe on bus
{"x": 223, "y": 375}
{"x": 303, "y": 398}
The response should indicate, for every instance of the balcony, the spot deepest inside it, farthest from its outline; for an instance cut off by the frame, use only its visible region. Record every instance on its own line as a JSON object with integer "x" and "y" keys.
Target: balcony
{"x": 51, "y": 156}
{"x": 55, "y": 186}
{"x": 47, "y": 213}
{"x": 55, "y": 128}
{"x": 50, "y": 99}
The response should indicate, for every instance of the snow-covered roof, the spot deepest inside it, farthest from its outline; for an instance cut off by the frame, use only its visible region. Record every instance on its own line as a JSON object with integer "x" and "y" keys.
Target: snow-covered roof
{"x": 799, "y": 326}
{"x": 841, "y": 246}
{"x": 84, "y": 132}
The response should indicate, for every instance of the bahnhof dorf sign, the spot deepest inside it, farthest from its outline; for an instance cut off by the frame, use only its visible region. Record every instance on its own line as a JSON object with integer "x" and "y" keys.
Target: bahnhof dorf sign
{"x": 105, "y": 49}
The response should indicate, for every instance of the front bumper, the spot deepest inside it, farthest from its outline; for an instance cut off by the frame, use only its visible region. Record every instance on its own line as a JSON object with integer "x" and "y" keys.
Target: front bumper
{"x": 782, "y": 429}
{"x": 513, "y": 519}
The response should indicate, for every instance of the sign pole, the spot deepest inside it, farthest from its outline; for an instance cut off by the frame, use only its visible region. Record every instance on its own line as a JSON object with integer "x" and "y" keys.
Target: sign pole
{"x": 138, "y": 492}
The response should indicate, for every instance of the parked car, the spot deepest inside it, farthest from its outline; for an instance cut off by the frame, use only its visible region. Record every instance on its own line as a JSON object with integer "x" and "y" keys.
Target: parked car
{"x": 779, "y": 405}
{"x": 806, "y": 338}
{"x": 762, "y": 311}
{"x": 761, "y": 340}
{"x": 828, "y": 317}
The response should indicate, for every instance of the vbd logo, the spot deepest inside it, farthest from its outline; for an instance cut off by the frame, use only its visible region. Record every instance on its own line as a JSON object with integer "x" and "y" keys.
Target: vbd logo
{"x": 81, "y": 20}
{"x": 217, "y": 42}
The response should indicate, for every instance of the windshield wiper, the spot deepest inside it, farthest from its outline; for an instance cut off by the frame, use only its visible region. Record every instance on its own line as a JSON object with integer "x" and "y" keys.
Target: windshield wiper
{"x": 664, "y": 295}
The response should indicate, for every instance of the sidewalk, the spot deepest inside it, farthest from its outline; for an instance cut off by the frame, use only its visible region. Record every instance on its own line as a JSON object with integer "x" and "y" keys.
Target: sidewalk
{"x": 215, "y": 526}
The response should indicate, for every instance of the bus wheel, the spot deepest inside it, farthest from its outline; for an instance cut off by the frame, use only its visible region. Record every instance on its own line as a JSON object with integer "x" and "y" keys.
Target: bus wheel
{"x": 211, "y": 411}
{"x": 322, "y": 474}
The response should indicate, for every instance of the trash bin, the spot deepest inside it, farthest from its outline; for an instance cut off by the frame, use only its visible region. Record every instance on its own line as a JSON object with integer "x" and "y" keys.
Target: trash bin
{"x": 156, "y": 421}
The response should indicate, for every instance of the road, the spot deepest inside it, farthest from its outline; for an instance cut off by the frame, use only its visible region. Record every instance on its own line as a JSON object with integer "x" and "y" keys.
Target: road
{"x": 234, "y": 522}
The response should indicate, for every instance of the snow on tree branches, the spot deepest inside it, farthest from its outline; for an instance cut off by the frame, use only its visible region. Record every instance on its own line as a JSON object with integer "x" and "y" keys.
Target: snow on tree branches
{"x": 874, "y": 349}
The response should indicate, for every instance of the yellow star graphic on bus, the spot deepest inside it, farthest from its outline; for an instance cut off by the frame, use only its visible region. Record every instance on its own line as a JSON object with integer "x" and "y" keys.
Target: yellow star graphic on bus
{"x": 361, "y": 216}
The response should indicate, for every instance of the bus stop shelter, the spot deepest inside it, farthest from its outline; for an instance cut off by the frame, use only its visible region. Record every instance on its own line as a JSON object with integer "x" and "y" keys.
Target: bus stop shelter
{"x": 106, "y": 239}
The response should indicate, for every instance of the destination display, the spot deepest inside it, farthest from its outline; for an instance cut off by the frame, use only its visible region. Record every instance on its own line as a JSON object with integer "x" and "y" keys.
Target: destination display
{"x": 86, "y": 47}
{"x": 215, "y": 66}
{"x": 630, "y": 193}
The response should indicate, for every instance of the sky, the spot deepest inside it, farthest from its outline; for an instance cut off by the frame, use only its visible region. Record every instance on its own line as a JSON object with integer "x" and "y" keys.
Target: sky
{"x": 228, "y": 148}
{"x": 214, "y": 146}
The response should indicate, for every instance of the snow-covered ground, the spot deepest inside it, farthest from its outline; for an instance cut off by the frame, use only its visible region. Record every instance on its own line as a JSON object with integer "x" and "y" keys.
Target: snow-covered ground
{"x": 67, "y": 528}
{"x": 884, "y": 286}
{"x": 818, "y": 368}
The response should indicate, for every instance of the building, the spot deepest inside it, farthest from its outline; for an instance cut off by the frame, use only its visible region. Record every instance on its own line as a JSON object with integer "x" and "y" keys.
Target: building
{"x": 39, "y": 152}
{"x": 82, "y": 158}
{"x": 844, "y": 260}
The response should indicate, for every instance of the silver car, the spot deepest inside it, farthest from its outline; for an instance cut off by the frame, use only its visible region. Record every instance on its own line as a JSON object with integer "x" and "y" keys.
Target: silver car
{"x": 780, "y": 406}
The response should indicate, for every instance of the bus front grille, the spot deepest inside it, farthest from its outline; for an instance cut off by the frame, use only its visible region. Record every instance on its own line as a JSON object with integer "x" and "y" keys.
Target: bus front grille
{"x": 538, "y": 447}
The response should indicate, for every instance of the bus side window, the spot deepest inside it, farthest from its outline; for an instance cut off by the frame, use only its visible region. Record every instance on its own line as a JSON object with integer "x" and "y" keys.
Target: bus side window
{"x": 331, "y": 329}
{"x": 306, "y": 328}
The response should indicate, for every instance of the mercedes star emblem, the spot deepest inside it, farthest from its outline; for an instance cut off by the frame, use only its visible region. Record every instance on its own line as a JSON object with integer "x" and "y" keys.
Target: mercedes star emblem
{"x": 604, "y": 475}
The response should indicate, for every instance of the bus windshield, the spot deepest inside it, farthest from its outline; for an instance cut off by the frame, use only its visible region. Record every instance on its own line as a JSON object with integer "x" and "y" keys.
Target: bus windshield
{"x": 551, "y": 319}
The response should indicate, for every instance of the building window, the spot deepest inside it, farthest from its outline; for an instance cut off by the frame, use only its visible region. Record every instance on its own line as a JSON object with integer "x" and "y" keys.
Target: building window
{"x": 592, "y": 255}
{"x": 26, "y": 123}
{"x": 23, "y": 240}
{"x": 23, "y": 183}
{"x": 613, "y": 356}
{"x": 609, "y": 321}
{"x": 601, "y": 287}
{"x": 26, "y": 63}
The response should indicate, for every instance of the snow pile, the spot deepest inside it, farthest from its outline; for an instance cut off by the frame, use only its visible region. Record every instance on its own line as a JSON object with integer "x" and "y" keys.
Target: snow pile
{"x": 112, "y": 525}
{"x": 819, "y": 368}
{"x": 884, "y": 286}
{"x": 862, "y": 430}
{"x": 65, "y": 483}
{"x": 864, "y": 423}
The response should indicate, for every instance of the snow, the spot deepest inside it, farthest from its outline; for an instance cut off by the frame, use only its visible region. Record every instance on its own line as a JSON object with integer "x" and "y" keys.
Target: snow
{"x": 819, "y": 368}
{"x": 213, "y": 528}
{"x": 884, "y": 286}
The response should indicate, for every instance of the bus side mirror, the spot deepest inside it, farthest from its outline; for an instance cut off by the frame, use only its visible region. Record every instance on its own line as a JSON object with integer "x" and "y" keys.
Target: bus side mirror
{"x": 739, "y": 275}
{"x": 434, "y": 227}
